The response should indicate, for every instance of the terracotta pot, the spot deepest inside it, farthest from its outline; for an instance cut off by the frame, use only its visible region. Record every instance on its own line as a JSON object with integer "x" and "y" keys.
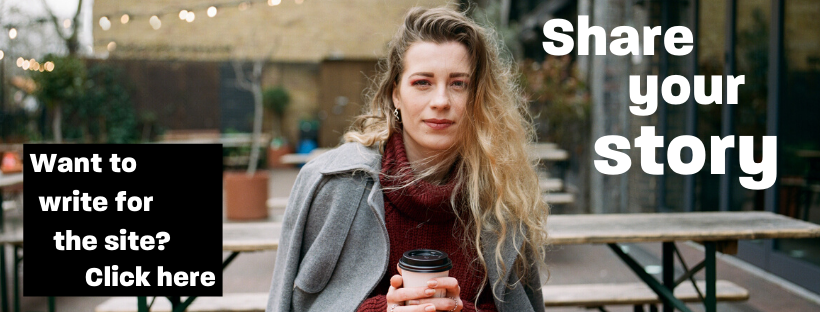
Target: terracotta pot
{"x": 246, "y": 196}
{"x": 275, "y": 156}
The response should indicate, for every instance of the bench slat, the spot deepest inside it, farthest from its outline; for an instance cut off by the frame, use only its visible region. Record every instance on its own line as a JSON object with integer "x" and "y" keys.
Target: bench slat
{"x": 559, "y": 198}
{"x": 245, "y": 302}
{"x": 594, "y": 295}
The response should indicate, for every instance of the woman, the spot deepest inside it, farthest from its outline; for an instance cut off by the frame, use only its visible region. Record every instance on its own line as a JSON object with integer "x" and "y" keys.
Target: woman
{"x": 440, "y": 162}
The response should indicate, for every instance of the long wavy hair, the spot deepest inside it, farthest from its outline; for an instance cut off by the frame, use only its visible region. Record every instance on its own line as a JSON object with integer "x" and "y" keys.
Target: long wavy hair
{"x": 498, "y": 183}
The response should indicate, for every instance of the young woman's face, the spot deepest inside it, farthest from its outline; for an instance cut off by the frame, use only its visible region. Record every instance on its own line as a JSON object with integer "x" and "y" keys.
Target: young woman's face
{"x": 432, "y": 96}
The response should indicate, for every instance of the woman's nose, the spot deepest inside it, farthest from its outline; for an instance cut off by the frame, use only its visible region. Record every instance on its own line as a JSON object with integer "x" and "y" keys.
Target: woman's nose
{"x": 441, "y": 100}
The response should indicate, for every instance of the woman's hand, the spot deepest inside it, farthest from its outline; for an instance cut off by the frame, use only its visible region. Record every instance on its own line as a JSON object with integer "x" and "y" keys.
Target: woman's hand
{"x": 419, "y": 298}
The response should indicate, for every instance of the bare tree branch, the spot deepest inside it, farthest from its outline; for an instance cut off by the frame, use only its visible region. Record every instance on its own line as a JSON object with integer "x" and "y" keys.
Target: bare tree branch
{"x": 54, "y": 20}
{"x": 72, "y": 41}
{"x": 254, "y": 85}
{"x": 241, "y": 81}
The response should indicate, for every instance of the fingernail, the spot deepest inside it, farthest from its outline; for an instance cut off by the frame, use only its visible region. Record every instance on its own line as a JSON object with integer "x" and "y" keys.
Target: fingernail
{"x": 432, "y": 284}
{"x": 429, "y": 292}
{"x": 412, "y": 302}
{"x": 430, "y": 308}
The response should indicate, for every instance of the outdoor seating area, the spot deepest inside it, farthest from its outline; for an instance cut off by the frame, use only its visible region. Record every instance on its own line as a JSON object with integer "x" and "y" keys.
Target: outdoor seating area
{"x": 660, "y": 155}
{"x": 581, "y": 230}
{"x": 255, "y": 241}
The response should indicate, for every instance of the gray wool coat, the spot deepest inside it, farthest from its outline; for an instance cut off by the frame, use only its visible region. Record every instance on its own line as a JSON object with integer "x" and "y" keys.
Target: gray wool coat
{"x": 334, "y": 247}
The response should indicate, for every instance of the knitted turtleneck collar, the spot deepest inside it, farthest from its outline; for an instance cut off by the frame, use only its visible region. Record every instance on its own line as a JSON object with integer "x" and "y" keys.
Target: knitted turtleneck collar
{"x": 421, "y": 201}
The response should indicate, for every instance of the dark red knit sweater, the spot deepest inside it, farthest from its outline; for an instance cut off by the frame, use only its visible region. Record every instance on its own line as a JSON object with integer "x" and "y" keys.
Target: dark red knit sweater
{"x": 420, "y": 216}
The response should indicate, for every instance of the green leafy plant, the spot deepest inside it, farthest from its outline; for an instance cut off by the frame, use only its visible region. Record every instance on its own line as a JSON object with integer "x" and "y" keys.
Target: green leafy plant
{"x": 559, "y": 100}
{"x": 276, "y": 100}
{"x": 62, "y": 87}
{"x": 105, "y": 112}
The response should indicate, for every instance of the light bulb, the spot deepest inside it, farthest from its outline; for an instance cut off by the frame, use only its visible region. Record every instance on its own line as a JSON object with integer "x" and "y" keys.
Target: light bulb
{"x": 105, "y": 23}
{"x": 155, "y": 22}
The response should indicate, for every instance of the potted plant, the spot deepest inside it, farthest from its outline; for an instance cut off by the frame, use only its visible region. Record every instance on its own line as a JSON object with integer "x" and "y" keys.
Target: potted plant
{"x": 276, "y": 100}
{"x": 246, "y": 192}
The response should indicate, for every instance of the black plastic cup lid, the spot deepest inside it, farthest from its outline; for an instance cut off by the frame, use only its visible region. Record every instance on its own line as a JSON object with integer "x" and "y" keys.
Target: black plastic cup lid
{"x": 425, "y": 261}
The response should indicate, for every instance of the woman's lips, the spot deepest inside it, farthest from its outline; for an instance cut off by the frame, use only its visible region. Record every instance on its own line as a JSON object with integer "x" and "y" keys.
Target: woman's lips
{"x": 438, "y": 124}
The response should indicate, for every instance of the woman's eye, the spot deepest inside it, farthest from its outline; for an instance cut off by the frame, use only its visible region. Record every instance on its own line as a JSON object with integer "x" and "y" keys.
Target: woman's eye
{"x": 421, "y": 83}
{"x": 460, "y": 84}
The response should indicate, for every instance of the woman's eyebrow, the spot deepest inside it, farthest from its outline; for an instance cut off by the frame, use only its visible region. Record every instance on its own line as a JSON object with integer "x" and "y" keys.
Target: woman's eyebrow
{"x": 423, "y": 74}
{"x": 452, "y": 75}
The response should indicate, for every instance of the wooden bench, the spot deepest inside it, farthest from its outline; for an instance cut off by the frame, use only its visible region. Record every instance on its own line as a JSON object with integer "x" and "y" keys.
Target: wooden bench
{"x": 241, "y": 302}
{"x": 559, "y": 198}
{"x": 585, "y": 295}
{"x": 599, "y": 295}
{"x": 550, "y": 185}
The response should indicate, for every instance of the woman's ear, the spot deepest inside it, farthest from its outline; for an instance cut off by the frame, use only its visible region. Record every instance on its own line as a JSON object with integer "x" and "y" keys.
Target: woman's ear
{"x": 396, "y": 101}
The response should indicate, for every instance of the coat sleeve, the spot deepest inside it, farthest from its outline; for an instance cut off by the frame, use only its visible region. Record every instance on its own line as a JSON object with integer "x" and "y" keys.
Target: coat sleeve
{"x": 290, "y": 240}
{"x": 532, "y": 284}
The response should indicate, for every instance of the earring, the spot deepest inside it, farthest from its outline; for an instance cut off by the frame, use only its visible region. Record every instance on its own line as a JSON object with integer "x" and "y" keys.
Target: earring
{"x": 396, "y": 113}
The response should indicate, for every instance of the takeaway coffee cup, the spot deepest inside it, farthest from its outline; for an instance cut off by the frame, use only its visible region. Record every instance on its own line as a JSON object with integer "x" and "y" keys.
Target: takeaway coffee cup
{"x": 421, "y": 265}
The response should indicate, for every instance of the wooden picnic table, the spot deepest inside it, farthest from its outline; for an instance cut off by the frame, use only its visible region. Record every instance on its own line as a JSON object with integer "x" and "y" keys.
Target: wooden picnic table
{"x": 667, "y": 227}
{"x": 716, "y": 230}
{"x": 236, "y": 238}
{"x": 241, "y": 237}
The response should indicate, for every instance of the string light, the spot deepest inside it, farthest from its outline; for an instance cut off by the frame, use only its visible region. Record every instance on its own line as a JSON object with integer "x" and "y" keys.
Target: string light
{"x": 111, "y": 46}
{"x": 20, "y": 62}
{"x": 26, "y": 64}
{"x": 35, "y": 65}
{"x": 105, "y": 23}
{"x": 66, "y": 23}
{"x": 13, "y": 33}
{"x": 155, "y": 22}
{"x": 2, "y": 54}
{"x": 49, "y": 66}
{"x": 185, "y": 15}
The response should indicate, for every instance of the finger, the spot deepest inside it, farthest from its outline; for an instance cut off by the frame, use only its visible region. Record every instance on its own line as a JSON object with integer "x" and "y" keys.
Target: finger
{"x": 448, "y": 283}
{"x": 442, "y": 304}
{"x": 396, "y": 281}
{"x": 416, "y": 308}
{"x": 390, "y": 291}
{"x": 411, "y": 293}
